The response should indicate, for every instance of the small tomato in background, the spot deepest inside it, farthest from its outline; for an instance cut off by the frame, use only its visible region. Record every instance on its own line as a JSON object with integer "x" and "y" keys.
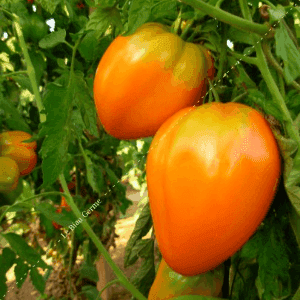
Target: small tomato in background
{"x": 24, "y": 157}
{"x": 12, "y": 145}
{"x": 144, "y": 78}
{"x": 9, "y": 174}
{"x": 212, "y": 173}
{"x": 16, "y": 138}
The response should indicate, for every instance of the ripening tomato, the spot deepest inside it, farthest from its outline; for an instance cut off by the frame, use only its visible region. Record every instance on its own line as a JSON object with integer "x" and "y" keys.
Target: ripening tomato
{"x": 24, "y": 157}
{"x": 9, "y": 174}
{"x": 16, "y": 138}
{"x": 169, "y": 284}
{"x": 144, "y": 78}
{"x": 212, "y": 173}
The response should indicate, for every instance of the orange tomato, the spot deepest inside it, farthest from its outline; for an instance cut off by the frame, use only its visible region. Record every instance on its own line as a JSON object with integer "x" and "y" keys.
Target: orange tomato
{"x": 169, "y": 284}
{"x": 9, "y": 174}
{"x": 212, "y": 173}
{"x": 144, "y": 78}
{"x": 16, "y": 138}
{"x": 24, "y": 157}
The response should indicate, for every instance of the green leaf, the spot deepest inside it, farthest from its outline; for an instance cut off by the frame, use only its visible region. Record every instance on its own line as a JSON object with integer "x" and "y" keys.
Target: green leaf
{"x": 268, "y": 106}
{"x": 24, "y": 82}
{"x": 142, "y": 227}
{"x": 102, "y": 18}
{"x": 273, "y": 275}
{"x": 57, "y": 129}
{"x": 88, "y": 46}
{"x": 24, "y": 251}
{"x": 290, "y": 55}
{"x": 144, "y": 276}
{"x": 37, "y": 280}
{"x": 242, "y": 78}
{"x": 85, "y": 103}
{"x": 166, "y": 8}
{"x": 64, "y": 218}
{"x": 3, "y": 287}
{"x": 90, "y": 292}
{"x": 53, "y": 39}
{"x": 139, "y": 13}
{"x": 276, "y": 14}
{"x": 49, "y": 6}
{"x": 237, "y": 35}
{"x": 14, "y": 119}
{"x": 94, "y": 175}
{"x": 21, "y": 271}
{"x": 89, "y": 271}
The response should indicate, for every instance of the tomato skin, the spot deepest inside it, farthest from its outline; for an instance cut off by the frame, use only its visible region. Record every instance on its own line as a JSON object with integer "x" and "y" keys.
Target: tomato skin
{"x": 9, "y": 174}
{"x": 24, "y": 157}
{"x": 12, "y": 146}
{"x": 16, "y": 138}
{"x": 169, "y": 284}
{"x": 212, "y": 173}
{"x": 144, "y": 78}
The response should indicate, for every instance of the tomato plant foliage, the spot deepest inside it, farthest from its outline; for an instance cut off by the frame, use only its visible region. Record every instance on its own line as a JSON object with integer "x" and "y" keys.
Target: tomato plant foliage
{"x": 49, "y": 53}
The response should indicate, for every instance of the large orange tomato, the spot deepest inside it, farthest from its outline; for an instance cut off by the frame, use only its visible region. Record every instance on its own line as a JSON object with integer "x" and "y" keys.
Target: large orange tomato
{"x": 144, "y": 78}
{"x": 212, "y": 173}
{"x": 169, "y": 284}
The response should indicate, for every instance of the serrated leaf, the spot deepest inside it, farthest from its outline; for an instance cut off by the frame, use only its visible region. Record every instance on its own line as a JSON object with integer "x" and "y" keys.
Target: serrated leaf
{"x": 89, "y": 271}
{"x": 49, "y": 6}
{"x": 269, "y": 107}
{"x": 138, "y": 14}
{"x": 37, "y": 280}
{"x": 94, "y": 176}
{"x": 286, "y": 49}
{"x": 57, "y": 129}
{"x": 7, "y": 259}
{"x": 144, "y": 276}
{"x": 276, "y": 14}
{"x": 90, "y": 292}
{"x": 167, "y": 8}
{"x": 53, "y": 39}
{"x": 239, "y": 36}
{"x": 142, "y": 227}
{"x": 273, "y": 274}
{"x": 21, "y": 271}
{"x": 24, "y": 251}
{"x": 102, "y": 18}
{"x": 85, "y": 103}
{"x": 13, "y": 118}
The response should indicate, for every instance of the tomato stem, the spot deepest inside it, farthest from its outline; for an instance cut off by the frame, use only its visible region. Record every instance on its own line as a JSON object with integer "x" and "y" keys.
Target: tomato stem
{"x": 30, "y": 68}
{"x": 228, "y": 18}
{"x": 243, "y": 57}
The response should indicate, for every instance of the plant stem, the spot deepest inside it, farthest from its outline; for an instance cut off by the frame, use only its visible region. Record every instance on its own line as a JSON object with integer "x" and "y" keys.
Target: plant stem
{"x": 123, "y": 279}
{"x": 13, "y": 73}
{"x": 243, "y": 57}
{"x": 107, "y": 286}
{"x": 228, "y": 18}
{"x": 271, "y": 59}
{"x": 239, "y": 97}
{"x": 30, "y": 68}
{"x": 277, "y": 97}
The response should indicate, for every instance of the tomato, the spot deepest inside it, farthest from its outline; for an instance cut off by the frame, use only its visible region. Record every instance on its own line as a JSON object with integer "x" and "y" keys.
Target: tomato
{"x": 63, "y": 204}
{"x": 16, "y": 138}
{"x": 9, "y": 174}
{"x": 144, "y": 78}
{"x": 34, "y": 27}
{"x": 12, "y": 145}
{"x": 169, "y": 284}
{"x": 38, "y": 27}
{"x": 212, "y": 173}
{"x": 24, "y": 157}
